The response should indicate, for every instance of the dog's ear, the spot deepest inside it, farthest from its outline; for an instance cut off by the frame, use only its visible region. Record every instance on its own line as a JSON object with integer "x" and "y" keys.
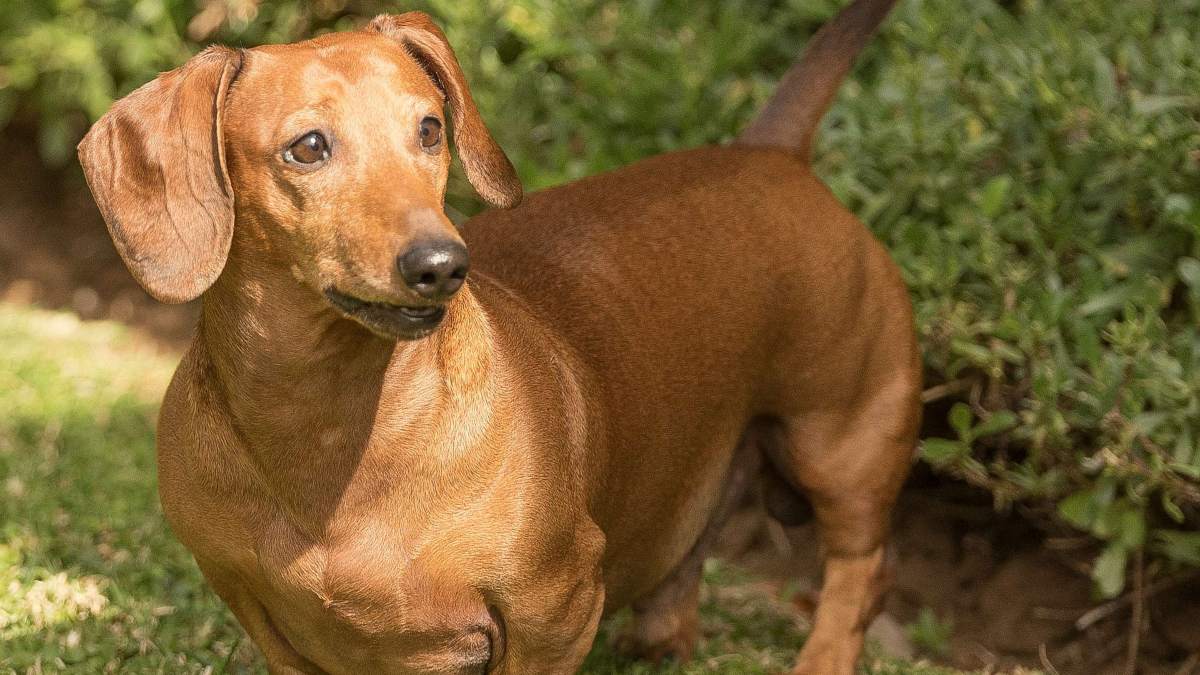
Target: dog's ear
{"x": 486, "y": 165}
{"x": 156, "y": 165}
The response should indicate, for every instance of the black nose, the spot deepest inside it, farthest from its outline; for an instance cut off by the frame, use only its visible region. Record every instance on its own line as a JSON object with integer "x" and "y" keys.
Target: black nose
{"x": 434, "y": 269}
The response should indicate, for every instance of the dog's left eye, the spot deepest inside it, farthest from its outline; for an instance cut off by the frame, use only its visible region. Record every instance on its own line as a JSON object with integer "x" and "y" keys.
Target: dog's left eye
{"x": 431, "y": 132}
{"x": 310, "y": 149}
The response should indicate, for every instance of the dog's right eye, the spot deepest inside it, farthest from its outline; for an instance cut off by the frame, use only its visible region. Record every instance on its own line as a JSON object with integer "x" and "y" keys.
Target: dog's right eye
{"x": 310, "y": 149}
{"x": 431, "y": 134}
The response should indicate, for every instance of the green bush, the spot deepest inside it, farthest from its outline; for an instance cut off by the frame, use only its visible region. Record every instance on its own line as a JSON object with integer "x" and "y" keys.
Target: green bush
{"x": 1032, "y": 165}
{"x": 1036, "y": 177}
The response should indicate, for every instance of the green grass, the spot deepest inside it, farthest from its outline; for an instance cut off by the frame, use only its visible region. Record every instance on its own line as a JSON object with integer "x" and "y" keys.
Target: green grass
{"x": 93, "y": 579}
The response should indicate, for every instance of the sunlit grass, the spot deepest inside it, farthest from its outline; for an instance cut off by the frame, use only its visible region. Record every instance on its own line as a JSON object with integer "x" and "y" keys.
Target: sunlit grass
{"x": 92, "y": 579}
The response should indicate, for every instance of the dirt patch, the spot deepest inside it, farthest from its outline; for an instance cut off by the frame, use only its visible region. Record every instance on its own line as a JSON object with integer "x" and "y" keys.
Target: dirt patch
{"x": 1005, "y": 592}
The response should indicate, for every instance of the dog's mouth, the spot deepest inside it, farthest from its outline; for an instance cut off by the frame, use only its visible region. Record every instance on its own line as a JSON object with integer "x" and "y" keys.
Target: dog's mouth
{"x": 392, "y": 321}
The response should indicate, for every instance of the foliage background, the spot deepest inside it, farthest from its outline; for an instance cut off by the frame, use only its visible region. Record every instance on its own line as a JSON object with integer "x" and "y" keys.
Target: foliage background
{"x": 1032, "y": 165}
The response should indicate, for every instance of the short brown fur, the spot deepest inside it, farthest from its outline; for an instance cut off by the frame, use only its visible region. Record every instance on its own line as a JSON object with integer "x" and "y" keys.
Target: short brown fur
{"x": 630, "y": 352}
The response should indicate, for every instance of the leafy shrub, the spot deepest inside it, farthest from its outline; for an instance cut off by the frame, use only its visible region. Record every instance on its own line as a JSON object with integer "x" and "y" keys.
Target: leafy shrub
{"x": 1036, "y": 178}
{"x": 1032, "y": 165}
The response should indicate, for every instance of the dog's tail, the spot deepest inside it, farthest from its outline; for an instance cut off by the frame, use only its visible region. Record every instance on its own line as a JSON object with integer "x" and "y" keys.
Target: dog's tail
{"x": 791, "y": 117}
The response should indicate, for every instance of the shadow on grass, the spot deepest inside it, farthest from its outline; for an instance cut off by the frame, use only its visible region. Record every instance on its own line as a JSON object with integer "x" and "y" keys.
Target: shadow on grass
{"x": 93, "y": 579}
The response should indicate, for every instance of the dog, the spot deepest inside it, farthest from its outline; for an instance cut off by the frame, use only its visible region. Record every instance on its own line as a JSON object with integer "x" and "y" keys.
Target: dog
{"x": 384, "y": 465}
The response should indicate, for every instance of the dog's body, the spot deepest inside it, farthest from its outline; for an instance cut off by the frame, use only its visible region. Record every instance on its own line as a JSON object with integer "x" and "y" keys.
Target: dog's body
{"x": 631, "y": 351}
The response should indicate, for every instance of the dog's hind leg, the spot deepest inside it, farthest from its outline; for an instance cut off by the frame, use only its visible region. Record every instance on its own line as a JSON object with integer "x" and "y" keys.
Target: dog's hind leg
{"x": 851, "y": 468}
{"x": 666, "y": 621}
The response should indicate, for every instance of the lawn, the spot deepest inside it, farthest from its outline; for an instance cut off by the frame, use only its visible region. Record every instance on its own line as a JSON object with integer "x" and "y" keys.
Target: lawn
{"x": 95, "y": 582}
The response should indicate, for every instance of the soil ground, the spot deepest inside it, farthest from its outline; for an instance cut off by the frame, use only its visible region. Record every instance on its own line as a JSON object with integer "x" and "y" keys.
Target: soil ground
{"x": 975, "y": 589}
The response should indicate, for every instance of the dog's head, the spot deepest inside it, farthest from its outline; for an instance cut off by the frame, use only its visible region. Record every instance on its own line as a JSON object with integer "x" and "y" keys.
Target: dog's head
{"x": 328, "y": 155}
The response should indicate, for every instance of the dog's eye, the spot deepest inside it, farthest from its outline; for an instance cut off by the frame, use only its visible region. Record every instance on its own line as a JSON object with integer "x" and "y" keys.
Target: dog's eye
{"x": 310, "y": 149}
{"x": 431, "y": 132}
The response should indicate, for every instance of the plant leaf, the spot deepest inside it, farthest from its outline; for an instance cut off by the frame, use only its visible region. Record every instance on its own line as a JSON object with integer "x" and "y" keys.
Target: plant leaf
{"x": 1109, "y": 570}
{"x": 1001, "y": 420}
{"x": 960, "y": 420}
{"x": 942, "y": 451}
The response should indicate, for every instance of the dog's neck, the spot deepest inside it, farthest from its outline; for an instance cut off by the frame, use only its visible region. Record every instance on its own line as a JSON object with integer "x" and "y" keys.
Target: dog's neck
{"x": 313, "y": 396}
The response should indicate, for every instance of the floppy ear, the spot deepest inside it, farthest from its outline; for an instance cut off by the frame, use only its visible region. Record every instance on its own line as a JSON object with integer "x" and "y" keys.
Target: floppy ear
{"x": 156, "y": 166}
{"x": 486, "y": 165}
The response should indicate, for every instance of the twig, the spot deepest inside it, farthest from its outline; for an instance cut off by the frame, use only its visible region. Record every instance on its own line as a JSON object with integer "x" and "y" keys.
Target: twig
{"x": 1054, "y": 613}
{"x": 1045, "y": 659}
{"x": 947, "y": 389}
{"x": 1092, "y": 616}
{"x": 1189, "y": 666}
{"x": 1139, "y": 605}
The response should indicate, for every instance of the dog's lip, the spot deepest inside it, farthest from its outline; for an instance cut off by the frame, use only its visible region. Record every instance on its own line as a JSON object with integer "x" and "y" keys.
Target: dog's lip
{"x": 350, "y": 304}
{"x": 405, "y": 321}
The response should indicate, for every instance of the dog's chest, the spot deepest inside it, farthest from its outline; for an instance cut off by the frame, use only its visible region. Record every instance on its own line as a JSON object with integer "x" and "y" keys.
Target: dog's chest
{"x": 370, "y": 598}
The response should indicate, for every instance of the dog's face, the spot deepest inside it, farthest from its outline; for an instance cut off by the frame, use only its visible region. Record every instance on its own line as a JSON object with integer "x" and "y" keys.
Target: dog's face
{"x": 329, "y": 155}
{"x": 338, "y": 160}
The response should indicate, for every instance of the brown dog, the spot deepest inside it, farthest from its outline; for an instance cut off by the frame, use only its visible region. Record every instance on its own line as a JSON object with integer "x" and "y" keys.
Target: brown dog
{"x": 382, "y": 469}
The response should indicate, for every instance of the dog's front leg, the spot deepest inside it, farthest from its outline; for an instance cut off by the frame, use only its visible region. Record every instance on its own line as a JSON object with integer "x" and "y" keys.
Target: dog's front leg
{"x": 552, "y": 613}
{"x": 281, "y": 657}
{"x": 552, "y": 634}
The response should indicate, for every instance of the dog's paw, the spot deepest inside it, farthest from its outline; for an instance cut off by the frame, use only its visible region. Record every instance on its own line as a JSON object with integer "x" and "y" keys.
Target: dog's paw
{"x": 828, "y": 659}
